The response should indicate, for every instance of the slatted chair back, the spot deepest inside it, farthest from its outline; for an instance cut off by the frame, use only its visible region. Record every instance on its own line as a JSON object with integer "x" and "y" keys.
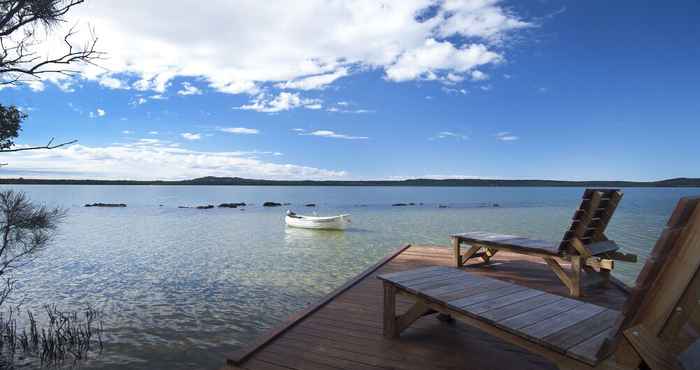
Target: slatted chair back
{"x": 668, "y": 280}
{"x": 591, "y": 218}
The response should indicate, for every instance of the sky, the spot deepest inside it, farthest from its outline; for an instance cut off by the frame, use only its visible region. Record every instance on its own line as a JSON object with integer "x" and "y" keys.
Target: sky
{"x": 326, "y": 89}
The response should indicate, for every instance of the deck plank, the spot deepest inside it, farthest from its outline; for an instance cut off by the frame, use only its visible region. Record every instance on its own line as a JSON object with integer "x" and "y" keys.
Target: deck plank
{"x": 345, "y": 331}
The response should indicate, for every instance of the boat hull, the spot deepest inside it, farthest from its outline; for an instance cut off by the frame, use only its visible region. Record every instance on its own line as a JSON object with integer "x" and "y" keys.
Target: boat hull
{"x": 318, "y": 223}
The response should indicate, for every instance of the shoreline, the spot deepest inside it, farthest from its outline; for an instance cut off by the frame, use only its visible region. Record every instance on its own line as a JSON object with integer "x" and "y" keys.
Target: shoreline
{"x": 235, "y": 181}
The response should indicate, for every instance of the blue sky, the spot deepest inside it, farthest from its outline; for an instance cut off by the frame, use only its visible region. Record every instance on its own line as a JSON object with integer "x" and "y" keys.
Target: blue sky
{"x": 355, "y": 90}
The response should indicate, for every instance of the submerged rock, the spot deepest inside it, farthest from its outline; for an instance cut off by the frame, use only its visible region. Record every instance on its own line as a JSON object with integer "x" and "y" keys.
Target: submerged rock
{"x": 183, "y": 207}
{"x": 208, "y": 206}
{"x": 106, "y": 205}
{"x": 271, "y": 204}
{"x": 403, "y": 204}
{"x": 232, "y": 205}
{"x": 496, "y": 205}
{"x": 442, "y": 206}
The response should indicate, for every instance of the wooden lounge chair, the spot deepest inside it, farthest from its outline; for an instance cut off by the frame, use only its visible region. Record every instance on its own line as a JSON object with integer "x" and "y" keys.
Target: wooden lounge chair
{"x": 584, "y": 244}
{"x": 660, "y": 356}
{"x": 571, "y": 333}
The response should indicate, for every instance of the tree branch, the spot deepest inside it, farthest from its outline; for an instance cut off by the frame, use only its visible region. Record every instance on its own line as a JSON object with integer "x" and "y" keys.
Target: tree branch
{"x": 47, "y": 146}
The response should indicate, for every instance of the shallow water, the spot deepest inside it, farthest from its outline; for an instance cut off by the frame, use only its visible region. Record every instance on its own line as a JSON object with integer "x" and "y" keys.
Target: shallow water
{"x": 179, "y": 288}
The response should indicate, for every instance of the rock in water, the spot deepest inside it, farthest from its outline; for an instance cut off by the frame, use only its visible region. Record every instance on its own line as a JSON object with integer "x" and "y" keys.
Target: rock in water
{"x": 209, "y": 206}
{"x": 106, "y": 205}
{"x": 272, "y": 204}
{"x": 310, "y": 205}
{"x": 232, "y": 205}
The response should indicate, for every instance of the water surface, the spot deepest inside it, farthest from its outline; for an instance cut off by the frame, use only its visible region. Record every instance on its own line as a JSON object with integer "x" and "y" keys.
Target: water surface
{"x": 179, "y": 288}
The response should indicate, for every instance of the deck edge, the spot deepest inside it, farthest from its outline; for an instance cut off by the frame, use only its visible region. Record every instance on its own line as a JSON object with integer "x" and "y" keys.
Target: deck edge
{"x": 238, "y": 357}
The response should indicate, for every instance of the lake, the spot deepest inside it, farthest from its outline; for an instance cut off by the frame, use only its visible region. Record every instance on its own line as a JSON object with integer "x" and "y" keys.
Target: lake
{"x": 179, "y": 288}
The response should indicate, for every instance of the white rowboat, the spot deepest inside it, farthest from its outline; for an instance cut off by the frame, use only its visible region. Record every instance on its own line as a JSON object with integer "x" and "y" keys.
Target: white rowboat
{"x": 339, "y": 222}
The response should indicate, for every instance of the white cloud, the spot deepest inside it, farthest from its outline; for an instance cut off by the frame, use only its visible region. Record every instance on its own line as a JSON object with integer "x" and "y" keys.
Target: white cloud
{"x": 113, "y": 83}
{"x": 148, "y": 159}
{"x": 343, "y": 107}
{"x": 478, "y": 18}
{"x": 449, "y": 134}
{"x": 454, "y": 78}
{"x": 190, "y": 136}
{"x": 433, "y": 57}
{"x": 308, "y": 45}
{"x": 189, "y": 89}
{"x": 127, "y": 132}
{"x": 153, "y": 132}
{"x": 314, "y": 82}
{"x": 139, "y": 101}
{"x": 506, "y": 136}
{"x": 449, "y": 90}
{"x": 101, "y": 112}
{"x": 333, "y": 134}
{"x": 477, "y": 75}
{"x": 36, "y": 85}
{"x": 282, "y": 102}
{"x": 240, "y": 130}
{"x": 157, "y": 97}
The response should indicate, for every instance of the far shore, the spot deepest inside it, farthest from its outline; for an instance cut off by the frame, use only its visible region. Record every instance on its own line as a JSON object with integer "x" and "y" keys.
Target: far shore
{"x": 237, "y": 181}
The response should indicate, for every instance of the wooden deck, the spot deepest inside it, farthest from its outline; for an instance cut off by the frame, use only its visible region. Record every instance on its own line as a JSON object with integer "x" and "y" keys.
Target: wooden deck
{"x": 344, "y": 330}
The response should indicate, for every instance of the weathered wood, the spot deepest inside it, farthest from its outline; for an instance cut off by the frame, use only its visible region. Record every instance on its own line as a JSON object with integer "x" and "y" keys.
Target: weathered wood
{"x": 347, "y": 332}
{"x": 690, "y": 358}
{"x": 619, "y": 256}
{"x": 509, "y": 242}
{"x": 485, "y": 296}
{"x": 391, "y": 328}
{"x": 502, "y": 313}
{"x": 664, "y": 279}
{"x": 577, "y": 333}
{"x": 405, "y": 320}
{"x": 580, "y": 248}
{"x": 585, "y": 238}
{"x": 242, "y": 354}
{"x": 601, "y": 247}
{"x": 538, "y": 314}
{"x": 600, "y": 264}
{"x": 654, "y": 352}
{"x": 561, "y": 274}
{"x": 576, "y": 269}
{"x": 589, "y": 350}
{"x": 506, "y": 300}
{"x": 560, "y": 322}
{"x": 457, "y": 250}
{"x": 670, "y": 267}
{"x": 533, "y": 325}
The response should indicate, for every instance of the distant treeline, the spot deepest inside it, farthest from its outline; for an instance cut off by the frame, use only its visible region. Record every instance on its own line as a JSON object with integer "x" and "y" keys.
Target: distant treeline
{"x": 210, "y": 180}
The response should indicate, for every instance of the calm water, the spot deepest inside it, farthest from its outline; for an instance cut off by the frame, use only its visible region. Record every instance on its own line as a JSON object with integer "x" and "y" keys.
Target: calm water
{"x": 181, "y": 287}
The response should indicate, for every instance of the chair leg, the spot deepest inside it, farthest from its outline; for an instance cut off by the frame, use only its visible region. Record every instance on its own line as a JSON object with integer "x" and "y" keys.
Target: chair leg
{"x": 390, "y": 330}
{"x": 576, "y": 270}
{"x": 456, "y": 249}
{"x": 572, "y": 282}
